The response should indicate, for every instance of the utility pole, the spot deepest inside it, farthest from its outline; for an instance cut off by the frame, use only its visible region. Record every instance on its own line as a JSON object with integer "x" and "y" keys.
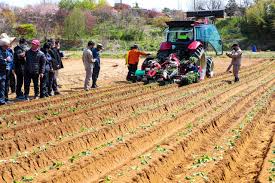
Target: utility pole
{"x": 194, "y": 5}
{"x": 120, "y": 1}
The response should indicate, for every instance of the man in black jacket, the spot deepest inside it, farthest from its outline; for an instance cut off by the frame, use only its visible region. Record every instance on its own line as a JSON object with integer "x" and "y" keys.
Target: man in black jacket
{"x": 34, "y": 68}
{"x": 19, "y": 62}
{"x": 56, "y": 66}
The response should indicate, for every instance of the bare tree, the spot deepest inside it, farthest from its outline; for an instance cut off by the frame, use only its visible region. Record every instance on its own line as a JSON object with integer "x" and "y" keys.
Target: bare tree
{"x": 209, "y": 4}
{"x": 214, "y": 4}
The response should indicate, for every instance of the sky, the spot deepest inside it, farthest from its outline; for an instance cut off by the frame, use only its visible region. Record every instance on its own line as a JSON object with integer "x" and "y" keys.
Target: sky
{"x": 148, "y": 4}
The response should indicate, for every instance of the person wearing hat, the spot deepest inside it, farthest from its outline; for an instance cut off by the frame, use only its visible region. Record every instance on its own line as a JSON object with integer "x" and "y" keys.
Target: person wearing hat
{"x": 236, "y": 56}
{"x": 10, "y": 67}
{"x": 96, "y": 54}
{"x": 88, "y": 61}
{"x": 19, "y": 62}
{"x": 133, "y": 59}
{"x": 34, "y": 68}
{"x": 5, "y": 60}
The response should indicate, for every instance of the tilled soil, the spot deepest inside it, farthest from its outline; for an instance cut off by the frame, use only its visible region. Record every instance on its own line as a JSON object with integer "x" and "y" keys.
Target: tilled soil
{"x": 212, "y": 131}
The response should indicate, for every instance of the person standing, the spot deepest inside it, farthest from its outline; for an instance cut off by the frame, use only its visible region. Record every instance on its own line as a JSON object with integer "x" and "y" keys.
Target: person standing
{"x": 56, "y": 66}
{"x": 96, "y": 53}
{"x": 236, "y": 55}
{"x": 44, "y": 82}
{"x": 88, "y": 61}
{"x": 133, "y": 59}
{"x": 34, "y": 68}
{"x": 5, "y": 59}
{"x": 60, "y": 55}
{"x": 19, "y": 62}
{"x": 9, "y": 73}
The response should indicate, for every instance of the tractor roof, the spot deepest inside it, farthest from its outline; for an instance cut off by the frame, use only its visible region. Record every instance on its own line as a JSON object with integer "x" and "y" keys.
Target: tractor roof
{"x": 206, "y": 13}
{"x": 180, "y": 23}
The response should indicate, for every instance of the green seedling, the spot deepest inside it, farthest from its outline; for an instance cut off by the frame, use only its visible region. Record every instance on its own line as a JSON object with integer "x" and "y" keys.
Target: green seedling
{"x": 56, "y": 165}
{"x": 218, "y": 148}
{"x": 108, "y": 179}
{"x": 144, "y": 159}
{"x": 27, "y": 178}
{"x": 55, "y": 113}
{"x": 161, "y": 149}
{"x": 109, "y": 121}
{"x": 120, "y": 139}
{"x": 72, "y": 159}
{"x": 202, "y": 160}
{"x": 135, "y": 168}
{"x": 72, "y": 109}
{"x": 86, "y": 153}
{"x": 39, "y": 117}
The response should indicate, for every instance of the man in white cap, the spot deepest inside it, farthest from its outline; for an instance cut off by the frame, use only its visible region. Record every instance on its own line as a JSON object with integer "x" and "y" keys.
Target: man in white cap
{"x": 34, "y": 68}
{"x": 5, "y": 59}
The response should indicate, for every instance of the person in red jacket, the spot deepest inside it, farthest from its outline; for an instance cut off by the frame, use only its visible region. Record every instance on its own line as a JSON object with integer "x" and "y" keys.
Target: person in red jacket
{"x": 133, "y": 59}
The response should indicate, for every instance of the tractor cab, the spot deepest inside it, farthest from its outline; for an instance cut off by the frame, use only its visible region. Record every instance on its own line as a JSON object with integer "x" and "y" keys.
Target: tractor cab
{"x": 185, "y": 37}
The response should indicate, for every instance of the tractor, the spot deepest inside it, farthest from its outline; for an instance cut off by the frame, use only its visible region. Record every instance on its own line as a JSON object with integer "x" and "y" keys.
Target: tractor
{"x": 186, "y": 42}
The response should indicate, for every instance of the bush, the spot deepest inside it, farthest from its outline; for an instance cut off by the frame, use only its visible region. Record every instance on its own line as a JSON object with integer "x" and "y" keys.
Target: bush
{"x": 26, "y": 30}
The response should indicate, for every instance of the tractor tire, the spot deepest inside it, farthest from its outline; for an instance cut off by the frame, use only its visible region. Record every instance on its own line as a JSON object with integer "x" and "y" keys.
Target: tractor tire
{"x": 210, "y": 67}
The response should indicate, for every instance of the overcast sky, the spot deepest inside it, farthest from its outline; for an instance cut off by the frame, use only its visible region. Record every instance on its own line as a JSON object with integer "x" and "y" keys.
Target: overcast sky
{"x": 149, "y": 4}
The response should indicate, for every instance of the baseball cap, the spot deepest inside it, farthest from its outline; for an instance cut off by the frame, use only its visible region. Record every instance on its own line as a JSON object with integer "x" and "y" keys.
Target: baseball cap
{"x": 36, "y": 42}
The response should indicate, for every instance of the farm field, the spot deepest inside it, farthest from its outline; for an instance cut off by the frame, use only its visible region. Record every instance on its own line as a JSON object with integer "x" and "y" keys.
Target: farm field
{"x": 212, "y": 131}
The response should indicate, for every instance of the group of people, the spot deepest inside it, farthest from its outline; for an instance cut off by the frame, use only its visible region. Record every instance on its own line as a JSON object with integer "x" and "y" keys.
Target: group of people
{"x": 38, "y": 64}
{"x": 91, "y": 61}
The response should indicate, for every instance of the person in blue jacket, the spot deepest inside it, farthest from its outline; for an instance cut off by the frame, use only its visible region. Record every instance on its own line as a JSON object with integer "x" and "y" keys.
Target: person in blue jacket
{"x": 5, "y": 60}
{"x": 96, "y": 70}
{"x": 9, "y": 72}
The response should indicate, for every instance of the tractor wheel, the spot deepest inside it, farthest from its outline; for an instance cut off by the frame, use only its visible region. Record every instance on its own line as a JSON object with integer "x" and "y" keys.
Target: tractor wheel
{"x": 210, "y": 67}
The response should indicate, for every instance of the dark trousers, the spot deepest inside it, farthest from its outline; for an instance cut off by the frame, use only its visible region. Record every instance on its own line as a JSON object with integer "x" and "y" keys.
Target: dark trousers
{"x": 44, "y": 85}
{"x": 27, "y": 81}
{"x": 2, "y": 86}
{"x": 12, "y": 83}
{"x": 52, "y": 83}
{"x": 96, "y": 71}
{"x": 7, "y": 84}
{"x": 19, "y": 83}
{"x": 132, "y": 68}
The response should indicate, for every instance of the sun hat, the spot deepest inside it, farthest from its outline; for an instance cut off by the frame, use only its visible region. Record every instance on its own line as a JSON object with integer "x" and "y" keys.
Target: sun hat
{"x": 5, "y": 40}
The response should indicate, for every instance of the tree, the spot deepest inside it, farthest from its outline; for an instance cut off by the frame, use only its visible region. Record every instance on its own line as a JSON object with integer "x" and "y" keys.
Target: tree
{"x": 209, "y": 4}
{"x": 7, "y": 20}
{"x": 26, "y": 30}
{"x": 43, "y": 16}
{"x": 74, "y": 24}
{"x": 231, "y": 8}
{"x": 67, "y": 4}
{"x": 258, "y": 23}
{"x": 161, "y": 21}
{"x": 214, "y": 4}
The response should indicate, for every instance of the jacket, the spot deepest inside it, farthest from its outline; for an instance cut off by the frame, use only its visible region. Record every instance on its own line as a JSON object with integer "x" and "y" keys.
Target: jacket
{"x": 87, "y": 56}
{"x": 19, "y": 61}
{"x": 96, "y": 55}
{"x": 133, "y": 56}
{"x": 10, "y": 64}
{"x": 55, "y": 59}
{"x": 3, "y": 62}
{"x": 236, "y": 56}
{"x": 48, "y": 64}
{"x": 35, "y": 62}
